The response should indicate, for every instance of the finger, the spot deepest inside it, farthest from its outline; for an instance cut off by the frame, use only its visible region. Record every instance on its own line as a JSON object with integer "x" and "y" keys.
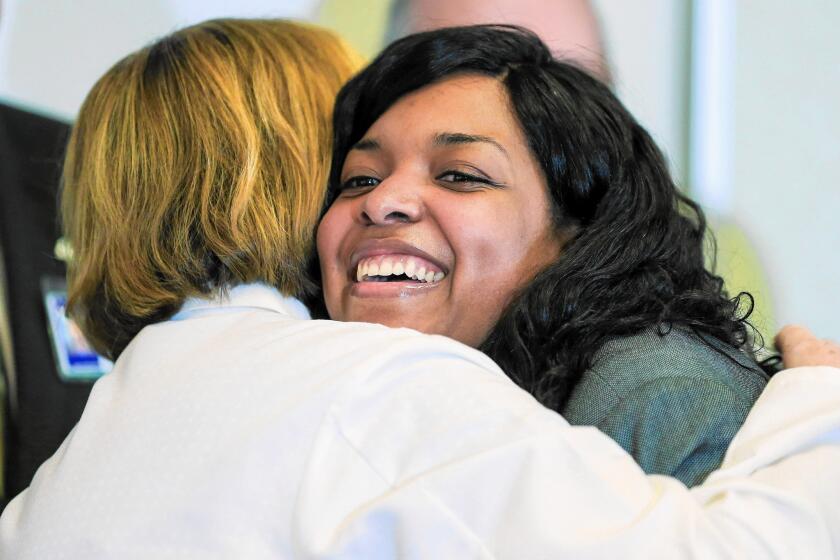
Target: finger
{"x": 793, "y": 335}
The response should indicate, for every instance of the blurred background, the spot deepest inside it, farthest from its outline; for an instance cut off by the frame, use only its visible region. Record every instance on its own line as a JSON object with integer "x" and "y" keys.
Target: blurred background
{"x": 744, "y": 98}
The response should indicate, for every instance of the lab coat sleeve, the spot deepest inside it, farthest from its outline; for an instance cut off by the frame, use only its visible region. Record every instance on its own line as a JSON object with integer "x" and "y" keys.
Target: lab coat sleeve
{"x": 445, "y": 459}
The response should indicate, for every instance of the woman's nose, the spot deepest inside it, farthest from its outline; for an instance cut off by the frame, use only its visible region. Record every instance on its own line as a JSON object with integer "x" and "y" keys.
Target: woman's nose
{"x": 393, "y": 201}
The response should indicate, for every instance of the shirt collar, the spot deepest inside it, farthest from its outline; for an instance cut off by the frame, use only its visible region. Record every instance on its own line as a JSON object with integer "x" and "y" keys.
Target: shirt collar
{"x": 255, "y": 296}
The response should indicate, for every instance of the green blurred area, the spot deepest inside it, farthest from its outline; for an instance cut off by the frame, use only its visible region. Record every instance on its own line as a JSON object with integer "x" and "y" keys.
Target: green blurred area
{"x": 739, "y": 264}
{"x": 361, "y": 22}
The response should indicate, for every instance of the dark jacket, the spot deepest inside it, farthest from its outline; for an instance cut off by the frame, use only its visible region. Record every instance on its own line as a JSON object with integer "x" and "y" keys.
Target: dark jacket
{"x": 30, "y": 157}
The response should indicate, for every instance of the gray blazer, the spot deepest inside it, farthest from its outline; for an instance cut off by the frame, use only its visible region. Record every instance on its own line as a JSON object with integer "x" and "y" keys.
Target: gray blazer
{"x": 672, "y": 402}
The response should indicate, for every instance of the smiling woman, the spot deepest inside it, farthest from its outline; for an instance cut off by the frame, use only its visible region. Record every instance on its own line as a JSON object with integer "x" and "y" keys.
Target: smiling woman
{"x": 443, "y": 200}
{"x": 538, "y": 222}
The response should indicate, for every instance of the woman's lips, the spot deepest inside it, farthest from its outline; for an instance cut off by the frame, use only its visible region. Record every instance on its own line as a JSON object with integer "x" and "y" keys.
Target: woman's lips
{"x": 387, "y": 260}
{"x": 395, "y": 275}
{"x": 391, "y": 289}
{"x": 391, "y": 267}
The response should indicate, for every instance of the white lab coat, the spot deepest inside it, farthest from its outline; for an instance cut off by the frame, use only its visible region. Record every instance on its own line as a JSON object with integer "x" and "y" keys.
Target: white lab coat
{"x": 240, "y": 430}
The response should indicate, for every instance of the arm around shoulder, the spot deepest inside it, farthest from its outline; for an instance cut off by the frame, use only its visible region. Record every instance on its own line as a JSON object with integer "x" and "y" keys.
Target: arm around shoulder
{"x": 452, "y": 462}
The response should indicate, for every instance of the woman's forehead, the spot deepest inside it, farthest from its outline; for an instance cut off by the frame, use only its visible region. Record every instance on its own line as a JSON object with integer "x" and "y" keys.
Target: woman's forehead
{"x": 460, "y": 110}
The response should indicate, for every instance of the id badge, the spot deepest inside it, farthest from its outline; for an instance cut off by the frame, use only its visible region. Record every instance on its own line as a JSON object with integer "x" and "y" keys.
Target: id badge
{"x": 75, "y": 359}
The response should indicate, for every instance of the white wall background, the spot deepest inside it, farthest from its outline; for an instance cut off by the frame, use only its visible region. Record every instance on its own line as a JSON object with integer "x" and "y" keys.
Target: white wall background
{"x": 784, "y": 166}
{"x": 52, "y": 51}
{"x": 647, "y": 45}
{"x": 786, "y": 161}
{"x": 787, "y": 152}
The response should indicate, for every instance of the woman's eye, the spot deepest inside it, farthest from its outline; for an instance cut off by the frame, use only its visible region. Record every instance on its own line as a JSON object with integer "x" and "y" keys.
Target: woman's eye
{"x": 464, "y": 180}
{"x": 361, "y": 182}
{"x": 455, "y": 177}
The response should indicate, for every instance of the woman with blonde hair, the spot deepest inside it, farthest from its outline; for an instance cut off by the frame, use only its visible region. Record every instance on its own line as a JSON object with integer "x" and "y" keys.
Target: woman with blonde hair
{"x": 198, "y": 163}
{"x": 232, "y": 427}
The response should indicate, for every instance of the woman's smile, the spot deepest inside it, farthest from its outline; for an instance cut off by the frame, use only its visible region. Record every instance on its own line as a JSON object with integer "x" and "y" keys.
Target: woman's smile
{"x": 392, "y": 268}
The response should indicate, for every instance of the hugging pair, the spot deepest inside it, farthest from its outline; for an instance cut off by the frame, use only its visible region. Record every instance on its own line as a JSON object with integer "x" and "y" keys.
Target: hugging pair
{"x": 479, "y": 189}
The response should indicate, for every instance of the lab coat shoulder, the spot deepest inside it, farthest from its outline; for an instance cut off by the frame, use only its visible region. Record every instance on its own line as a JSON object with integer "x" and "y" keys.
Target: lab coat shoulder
{"x": 455, "y": 471}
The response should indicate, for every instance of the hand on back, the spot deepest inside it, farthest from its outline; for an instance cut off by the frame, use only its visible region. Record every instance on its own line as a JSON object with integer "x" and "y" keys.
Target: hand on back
{"x": 799, "y": 347}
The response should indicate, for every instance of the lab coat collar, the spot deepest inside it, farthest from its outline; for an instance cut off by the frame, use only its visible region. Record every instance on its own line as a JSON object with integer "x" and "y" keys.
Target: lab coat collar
{"x": 258, "y": 296}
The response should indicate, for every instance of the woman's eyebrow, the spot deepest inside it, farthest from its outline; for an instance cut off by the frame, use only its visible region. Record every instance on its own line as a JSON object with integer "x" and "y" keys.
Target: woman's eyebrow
{"x": 366, "y": 145}
{"x": 453, "y": 138}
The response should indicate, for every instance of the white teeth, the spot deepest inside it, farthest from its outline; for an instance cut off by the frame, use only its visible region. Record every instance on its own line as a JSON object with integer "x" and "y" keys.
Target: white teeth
{"x": 387, "y": 266}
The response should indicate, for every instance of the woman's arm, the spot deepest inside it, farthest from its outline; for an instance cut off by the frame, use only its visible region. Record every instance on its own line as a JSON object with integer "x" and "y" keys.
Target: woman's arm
{"x": 477, "y": 482}
{"x": 439, "y": 462}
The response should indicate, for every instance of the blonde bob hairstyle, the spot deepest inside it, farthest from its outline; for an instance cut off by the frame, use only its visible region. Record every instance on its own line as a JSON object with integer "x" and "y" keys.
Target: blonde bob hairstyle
{"x": 196, "y": 164}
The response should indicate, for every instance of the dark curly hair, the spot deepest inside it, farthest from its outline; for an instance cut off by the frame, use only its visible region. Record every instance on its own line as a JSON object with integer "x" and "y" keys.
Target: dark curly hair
{"x": 634, "y": 259}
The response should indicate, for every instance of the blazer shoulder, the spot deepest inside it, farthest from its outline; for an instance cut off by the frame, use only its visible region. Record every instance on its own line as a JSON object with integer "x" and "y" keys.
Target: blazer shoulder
{"x": 634, "y": 364}
{"x": 632, "y": 361}
{"x": 34, "y": 134}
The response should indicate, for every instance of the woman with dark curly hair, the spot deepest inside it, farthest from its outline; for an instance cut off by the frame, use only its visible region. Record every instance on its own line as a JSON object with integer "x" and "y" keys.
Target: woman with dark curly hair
{"x": 484, "y": 190}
